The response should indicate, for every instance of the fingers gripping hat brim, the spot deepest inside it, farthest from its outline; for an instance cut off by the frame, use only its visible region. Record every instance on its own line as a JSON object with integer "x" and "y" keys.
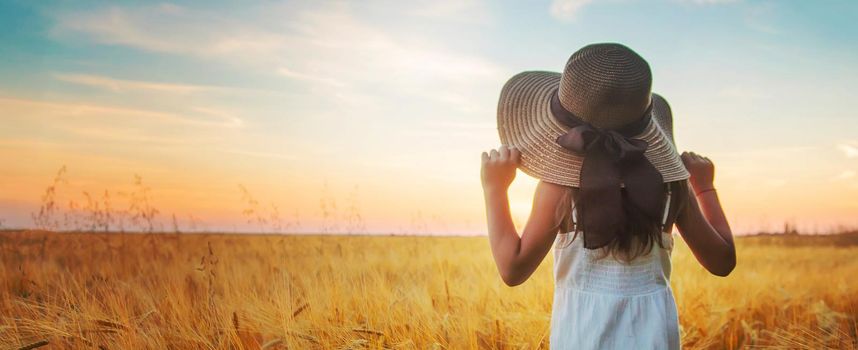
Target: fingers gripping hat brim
{"x": 525, "y": 122}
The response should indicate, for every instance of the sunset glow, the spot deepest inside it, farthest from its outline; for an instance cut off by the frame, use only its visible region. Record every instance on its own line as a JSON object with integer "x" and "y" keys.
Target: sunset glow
{"x": 370, "y": 117}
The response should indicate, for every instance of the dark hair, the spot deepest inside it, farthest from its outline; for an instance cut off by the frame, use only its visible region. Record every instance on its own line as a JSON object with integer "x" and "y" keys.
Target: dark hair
{"x": 641, "y": 232}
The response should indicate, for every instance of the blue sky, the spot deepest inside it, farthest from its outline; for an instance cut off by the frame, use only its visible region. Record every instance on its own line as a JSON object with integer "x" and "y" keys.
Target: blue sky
{"x": 385, "y": 105}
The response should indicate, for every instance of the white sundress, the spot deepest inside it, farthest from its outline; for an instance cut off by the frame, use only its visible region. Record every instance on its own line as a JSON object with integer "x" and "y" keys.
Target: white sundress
{"x": 607, "y": 304}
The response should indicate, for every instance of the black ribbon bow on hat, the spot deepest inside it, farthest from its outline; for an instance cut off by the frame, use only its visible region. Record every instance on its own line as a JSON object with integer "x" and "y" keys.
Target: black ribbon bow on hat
{"x": 611, "y": 158}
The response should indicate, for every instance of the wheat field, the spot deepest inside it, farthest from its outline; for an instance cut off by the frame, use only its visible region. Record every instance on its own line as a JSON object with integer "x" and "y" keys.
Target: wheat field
{"x": 208, "y": 291}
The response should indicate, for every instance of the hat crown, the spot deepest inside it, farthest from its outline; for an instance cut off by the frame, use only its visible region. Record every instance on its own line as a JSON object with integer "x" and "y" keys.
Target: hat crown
{"x": 607, "y": 85}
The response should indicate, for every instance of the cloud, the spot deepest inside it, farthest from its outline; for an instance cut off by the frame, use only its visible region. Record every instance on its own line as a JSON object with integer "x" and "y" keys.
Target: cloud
{"x": 125, "y": 135}
{"x": 326, "y": 48}
{"x": 262, "y": 154}
{"x": 119, "y": 130}
{"x": 849, "y": 149}
{"x": 787, "y": 151}
{"x": 376, "y": 55}
{"x": 707, "y": 2}
{"x": 221, "y": 117}
{"x": 120, "y": 85}
{"x": 286, "y": 72}
{"x": 457, "y": 125}
{"x": 168, "y": 29}
{"x": 845, "y": 175}
{"x": 567, "y": 9}
{"x": 135, "y": 86}
{"x": 464, "y": 11}
{"x": 63, "y": 112}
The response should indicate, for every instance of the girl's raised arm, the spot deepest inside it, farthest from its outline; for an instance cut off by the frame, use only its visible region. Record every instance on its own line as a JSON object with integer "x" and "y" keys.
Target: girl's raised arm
{"x": 702, "y": 223}
{"x": 517, "y": 257}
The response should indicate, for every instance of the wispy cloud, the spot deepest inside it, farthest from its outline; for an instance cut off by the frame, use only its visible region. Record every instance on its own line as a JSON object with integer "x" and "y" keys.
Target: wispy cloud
{"x": 286, "y": 72}
{"x": 121, "y": 85}
{"x": 766, "y": 152}
{"x": 171, "y": 29}
{"x": 567, "y": 9}
{"x": 446, "y": 125}
{"x": 465, "y": 11}
{"x": 849, "y": 149}
{"x": 844, "y": 175}
{"x": 377, "y": 56}
{"x": 325, "y": 47}
{"x": 708, "y": 2}
{"x": 262, "y": 154}
{"x": 122, "y": 135}
{"x": 53, "y": 111}
{"x": 131, "y": 86}
{"x": 220, "y": 116}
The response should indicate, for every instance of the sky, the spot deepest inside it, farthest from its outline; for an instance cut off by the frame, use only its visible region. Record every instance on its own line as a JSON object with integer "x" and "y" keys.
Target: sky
{"x": 370, "y": 116}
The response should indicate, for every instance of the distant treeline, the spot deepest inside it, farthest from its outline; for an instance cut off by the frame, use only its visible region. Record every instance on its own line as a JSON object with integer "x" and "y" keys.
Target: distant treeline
{"x": 846, "y": 238}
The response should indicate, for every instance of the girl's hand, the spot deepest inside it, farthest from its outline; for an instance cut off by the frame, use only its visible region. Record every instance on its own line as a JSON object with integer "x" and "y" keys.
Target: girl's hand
{"x": 701, "y": 169}
{"x": 498, "y": 169}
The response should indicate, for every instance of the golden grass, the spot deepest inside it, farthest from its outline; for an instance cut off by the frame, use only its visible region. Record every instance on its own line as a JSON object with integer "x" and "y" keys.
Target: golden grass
{"x": 303, "y": 292}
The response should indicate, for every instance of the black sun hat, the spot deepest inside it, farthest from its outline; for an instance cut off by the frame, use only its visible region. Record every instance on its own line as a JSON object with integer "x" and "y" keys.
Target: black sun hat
{"x": 596, "y": 126}
{"x": 607, "y": 85}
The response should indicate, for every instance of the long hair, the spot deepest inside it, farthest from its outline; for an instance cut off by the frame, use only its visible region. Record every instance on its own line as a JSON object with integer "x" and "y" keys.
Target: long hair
{"x": 640, "y": 233}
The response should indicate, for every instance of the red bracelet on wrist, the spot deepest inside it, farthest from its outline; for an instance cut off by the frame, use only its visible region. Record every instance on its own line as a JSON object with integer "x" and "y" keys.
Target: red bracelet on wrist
{"x": 706, "y": 190}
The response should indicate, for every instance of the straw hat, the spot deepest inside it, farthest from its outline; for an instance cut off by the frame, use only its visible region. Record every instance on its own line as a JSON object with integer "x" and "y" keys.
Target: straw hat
{"x": 605, "y": 85}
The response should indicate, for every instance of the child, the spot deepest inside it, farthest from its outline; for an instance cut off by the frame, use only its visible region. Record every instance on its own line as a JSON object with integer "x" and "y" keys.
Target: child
{"x": 612, "y": 185}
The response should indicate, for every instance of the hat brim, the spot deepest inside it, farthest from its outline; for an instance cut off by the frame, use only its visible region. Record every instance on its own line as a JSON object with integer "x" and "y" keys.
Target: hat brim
{"x": 525, "y": 122}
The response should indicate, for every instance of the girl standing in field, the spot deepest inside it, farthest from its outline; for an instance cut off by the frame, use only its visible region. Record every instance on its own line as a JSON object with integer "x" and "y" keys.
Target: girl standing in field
{"x": 612, "y": 185}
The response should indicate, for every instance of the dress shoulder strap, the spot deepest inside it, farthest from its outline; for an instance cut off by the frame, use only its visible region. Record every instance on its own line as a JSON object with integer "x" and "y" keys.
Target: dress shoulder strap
{"x": 675, "y": 205}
